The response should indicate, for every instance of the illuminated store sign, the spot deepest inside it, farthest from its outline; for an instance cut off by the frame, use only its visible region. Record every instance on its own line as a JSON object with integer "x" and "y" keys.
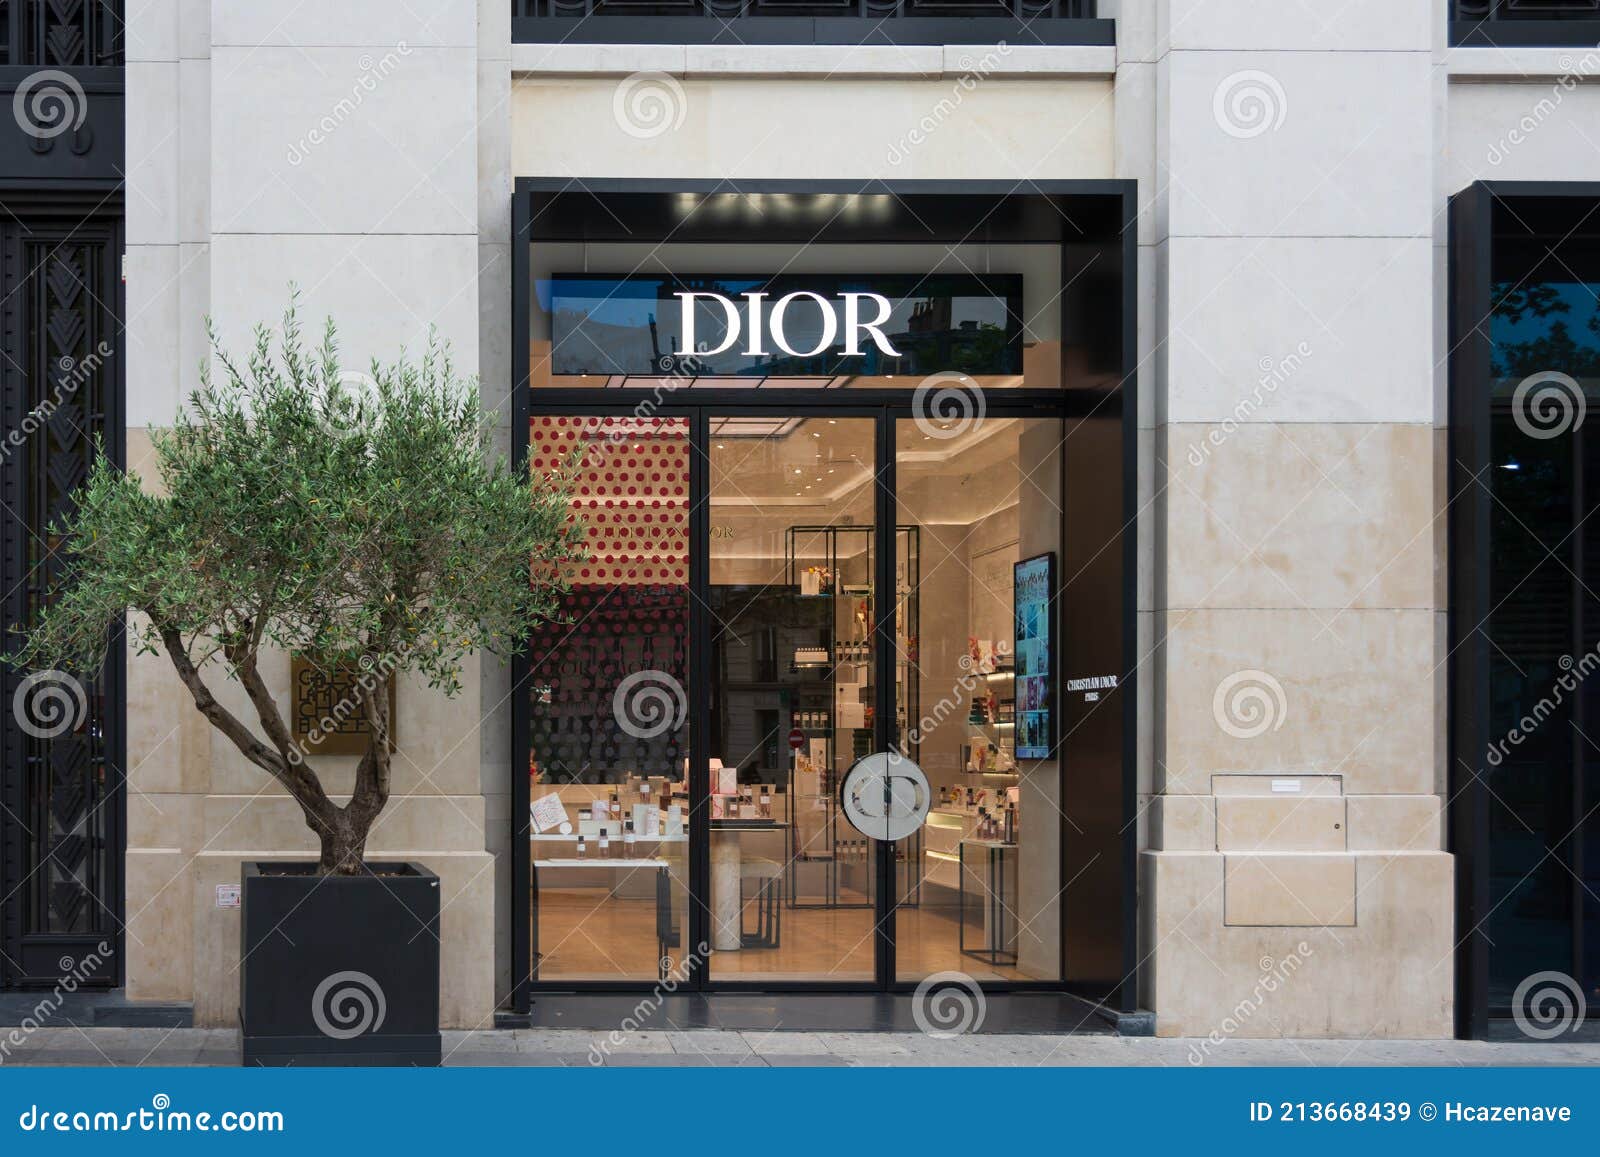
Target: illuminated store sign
{"x": 786, "y": 325}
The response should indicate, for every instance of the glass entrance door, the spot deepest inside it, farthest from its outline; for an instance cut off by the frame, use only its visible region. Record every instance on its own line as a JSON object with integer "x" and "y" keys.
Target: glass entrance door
{"x": 790, "y": 617}
{"x": 773, "y": 597}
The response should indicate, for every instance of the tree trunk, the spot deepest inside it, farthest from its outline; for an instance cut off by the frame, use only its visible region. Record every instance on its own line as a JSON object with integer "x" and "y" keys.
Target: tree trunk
{"x": 344, "y": 847}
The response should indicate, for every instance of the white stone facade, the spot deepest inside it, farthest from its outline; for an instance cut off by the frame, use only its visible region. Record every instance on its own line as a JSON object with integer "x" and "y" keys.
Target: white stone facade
{"x": 1293, "y": 166}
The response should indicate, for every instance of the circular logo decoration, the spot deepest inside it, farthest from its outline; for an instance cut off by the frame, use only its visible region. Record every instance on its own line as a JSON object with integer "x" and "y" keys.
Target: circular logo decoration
{"x": 885, "y": 796}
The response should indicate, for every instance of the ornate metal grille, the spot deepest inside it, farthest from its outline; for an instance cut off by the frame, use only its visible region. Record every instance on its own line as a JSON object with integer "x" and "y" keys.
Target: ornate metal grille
{"x": 61, "y": 826}
{"x": 61, "y": 33}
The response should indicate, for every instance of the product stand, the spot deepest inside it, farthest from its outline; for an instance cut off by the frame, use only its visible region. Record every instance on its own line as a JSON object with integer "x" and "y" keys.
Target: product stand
{"x": 997, "y": 930}
{"x": 841, "y": 591}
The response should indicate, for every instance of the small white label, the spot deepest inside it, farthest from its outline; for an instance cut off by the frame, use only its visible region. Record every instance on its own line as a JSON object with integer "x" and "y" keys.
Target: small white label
{"x": 228, "y": 895}
{"x": 1091, "y": 696}
{"x": 1286, "y": 785}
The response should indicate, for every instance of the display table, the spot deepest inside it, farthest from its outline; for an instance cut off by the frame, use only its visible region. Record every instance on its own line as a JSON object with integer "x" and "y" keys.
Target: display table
{"x": 663, "y": 873}
{"x": 999, "y": 924}
{"x": 727, "y": 875}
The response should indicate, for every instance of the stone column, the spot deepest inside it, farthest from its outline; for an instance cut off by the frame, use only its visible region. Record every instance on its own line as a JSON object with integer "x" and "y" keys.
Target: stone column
{"x": 334, "y": 147}
{"x": 1294, "y": 882}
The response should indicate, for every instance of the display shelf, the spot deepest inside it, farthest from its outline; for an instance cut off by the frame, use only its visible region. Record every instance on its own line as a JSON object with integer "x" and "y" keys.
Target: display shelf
{"x": 838, "y": 562}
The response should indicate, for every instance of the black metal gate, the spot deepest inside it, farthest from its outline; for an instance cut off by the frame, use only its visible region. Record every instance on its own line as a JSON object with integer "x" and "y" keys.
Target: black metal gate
{"x": 62, "y": 797}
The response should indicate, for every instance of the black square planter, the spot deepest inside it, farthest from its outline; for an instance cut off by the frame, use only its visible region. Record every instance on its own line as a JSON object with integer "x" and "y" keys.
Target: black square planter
{"x": 339, "y": 970}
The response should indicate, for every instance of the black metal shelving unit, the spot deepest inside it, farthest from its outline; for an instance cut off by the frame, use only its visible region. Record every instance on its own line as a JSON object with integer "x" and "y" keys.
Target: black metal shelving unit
{"x": 846, "y": 579}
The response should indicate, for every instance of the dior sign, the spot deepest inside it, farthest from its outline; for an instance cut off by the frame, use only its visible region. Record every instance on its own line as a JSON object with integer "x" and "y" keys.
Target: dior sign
{"x": 787, "y": 326}
{"x": 752, "y": 316}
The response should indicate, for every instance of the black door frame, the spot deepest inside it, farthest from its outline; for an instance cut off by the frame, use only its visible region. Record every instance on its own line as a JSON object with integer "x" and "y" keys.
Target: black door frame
{"x": 1472, "y": 214}
{"x": 567, "y": 212}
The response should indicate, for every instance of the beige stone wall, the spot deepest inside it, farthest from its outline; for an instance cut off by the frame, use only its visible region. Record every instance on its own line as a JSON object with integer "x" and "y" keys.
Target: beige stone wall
{"x": 378, "y": 224}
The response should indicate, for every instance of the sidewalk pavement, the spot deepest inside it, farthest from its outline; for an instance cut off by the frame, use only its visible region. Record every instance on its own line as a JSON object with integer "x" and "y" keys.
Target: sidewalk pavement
{"x": 70, "y": 1045}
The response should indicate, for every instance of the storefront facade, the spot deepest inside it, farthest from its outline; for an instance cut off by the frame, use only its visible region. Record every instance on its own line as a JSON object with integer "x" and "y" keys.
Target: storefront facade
{"x": 1185, "y": 314}
{"x": 743, "y": 509}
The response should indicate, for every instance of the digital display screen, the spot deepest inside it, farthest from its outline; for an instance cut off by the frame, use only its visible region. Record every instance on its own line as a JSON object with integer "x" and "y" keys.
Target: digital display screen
{"x": 1033, "y": 593}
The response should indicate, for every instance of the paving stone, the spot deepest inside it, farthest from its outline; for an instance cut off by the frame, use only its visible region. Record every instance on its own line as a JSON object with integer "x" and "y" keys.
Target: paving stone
{"x": 552, "y": 1040}
{"x": 129, "y": 1047}
{"x": 487, "y": 1041}
{"x": 709, "y": 1042}
{"x": 786, "y": 1043}
{"x": 864, "y": 1043}
{"x": 805, "y": 1060}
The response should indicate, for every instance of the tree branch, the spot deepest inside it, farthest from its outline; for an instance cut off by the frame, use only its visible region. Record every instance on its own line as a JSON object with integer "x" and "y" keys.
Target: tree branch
{"x": 221, "y": 718}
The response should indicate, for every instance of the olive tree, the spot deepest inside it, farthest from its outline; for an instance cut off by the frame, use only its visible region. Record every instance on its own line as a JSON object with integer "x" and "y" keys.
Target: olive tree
{"x": 361, "y": 520}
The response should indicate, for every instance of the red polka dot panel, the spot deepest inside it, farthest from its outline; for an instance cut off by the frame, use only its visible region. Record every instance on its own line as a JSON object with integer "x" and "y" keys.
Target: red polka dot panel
{"x": 631, "y": 489}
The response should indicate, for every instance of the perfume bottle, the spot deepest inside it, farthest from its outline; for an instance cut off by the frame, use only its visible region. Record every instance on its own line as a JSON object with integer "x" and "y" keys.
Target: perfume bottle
{"x": 628, "y": 840}
{"x": 581, "y": 846}
{"x": 604, "y": 850}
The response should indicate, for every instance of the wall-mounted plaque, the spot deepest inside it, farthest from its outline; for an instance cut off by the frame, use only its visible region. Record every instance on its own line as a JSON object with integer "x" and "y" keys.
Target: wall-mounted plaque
{"x": 327, "y": 716}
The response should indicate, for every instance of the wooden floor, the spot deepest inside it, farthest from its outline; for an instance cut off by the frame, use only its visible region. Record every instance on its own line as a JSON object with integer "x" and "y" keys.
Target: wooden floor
{"x": 588, "y": 934}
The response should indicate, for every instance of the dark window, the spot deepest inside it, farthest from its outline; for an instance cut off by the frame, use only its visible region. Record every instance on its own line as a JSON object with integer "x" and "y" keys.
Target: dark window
{"x": 808, "y": 21}
{"x": 1506, "y": 23}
